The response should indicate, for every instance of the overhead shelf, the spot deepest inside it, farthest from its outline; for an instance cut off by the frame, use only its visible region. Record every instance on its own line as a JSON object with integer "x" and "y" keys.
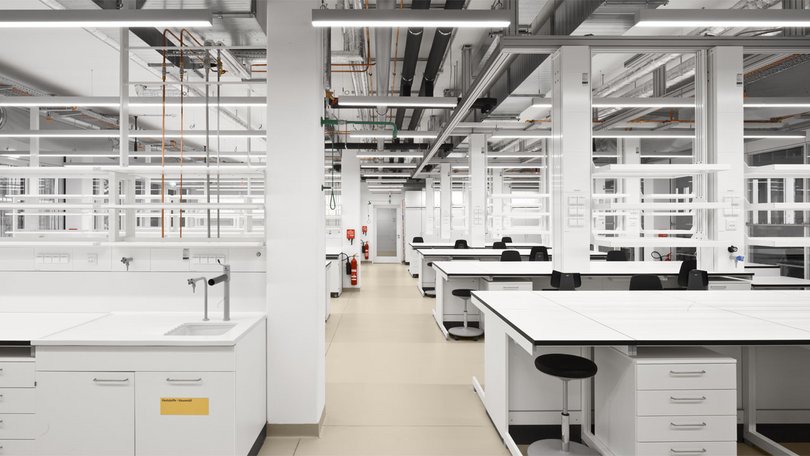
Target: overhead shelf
{"x": 664, "y": 171}
{"x": 778, "y": 207}
{"x": 779, "y": 241}
{"x": 683, "y": 206}
{"x": 618, "y": 242}
{"x": 768, "y": 171}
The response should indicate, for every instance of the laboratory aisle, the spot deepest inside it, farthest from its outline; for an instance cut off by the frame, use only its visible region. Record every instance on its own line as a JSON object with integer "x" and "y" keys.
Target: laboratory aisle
{"x": 394, "y": 385}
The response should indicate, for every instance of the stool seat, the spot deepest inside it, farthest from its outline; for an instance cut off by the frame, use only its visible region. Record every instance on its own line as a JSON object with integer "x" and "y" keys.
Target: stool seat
{"x": 462, "y": 293}
{"x": 565, "y": 366}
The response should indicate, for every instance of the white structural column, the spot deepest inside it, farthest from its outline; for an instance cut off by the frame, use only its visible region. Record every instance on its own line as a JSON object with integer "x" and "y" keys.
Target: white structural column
{"x": 630, "y": 151}
{"x": 123, "y": 126}
{"x": 570, "y": 158}
{"x": 478, "y": 189}
{"x": 351, "y": 202}
{"x": 726, "y": 146}
{"x": 430, "y": 210}
{"x": 445, "y": 202}
{"x": 294, "y": 212}
{"x": 497, "y": 204}
{"x": 32, "y": 221}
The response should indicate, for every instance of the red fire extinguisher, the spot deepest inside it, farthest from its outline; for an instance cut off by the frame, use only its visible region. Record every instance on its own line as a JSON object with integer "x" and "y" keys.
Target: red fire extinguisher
{"x": 365, "y": 250}
{"x": 354, "y": 270}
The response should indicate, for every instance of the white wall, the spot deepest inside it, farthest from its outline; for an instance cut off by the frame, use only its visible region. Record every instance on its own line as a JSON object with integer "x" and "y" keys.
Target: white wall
{"x": 368, "y": 200}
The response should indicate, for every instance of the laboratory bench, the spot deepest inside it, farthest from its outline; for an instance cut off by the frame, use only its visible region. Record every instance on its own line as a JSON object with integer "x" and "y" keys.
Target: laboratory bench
{"x": 335, "y": 276}
{"x": 132, "y": 383}
{"x": 677, "y": 372}
{"x": 536, "y": 275}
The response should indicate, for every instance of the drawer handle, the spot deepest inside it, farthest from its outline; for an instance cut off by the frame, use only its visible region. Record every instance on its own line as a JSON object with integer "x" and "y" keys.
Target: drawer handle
{"x": 687, "y": 399}
{"x": 110, "y": 380}
{"x": 688, "y": 425}
{"x": 700, "y": 451}
{"x": 185, "y": 380}
{"x": 700, "y": 372}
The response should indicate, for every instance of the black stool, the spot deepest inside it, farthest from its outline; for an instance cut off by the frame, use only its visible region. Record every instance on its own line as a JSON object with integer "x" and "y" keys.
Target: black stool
{"x": 500, "y": 245}
{"x": 506, "y": 240}
{"x": 566, "y": 368}
{"x": 698, "y": 280}
{"x": 465, "y": 332}
{"x": 645, "y": 282}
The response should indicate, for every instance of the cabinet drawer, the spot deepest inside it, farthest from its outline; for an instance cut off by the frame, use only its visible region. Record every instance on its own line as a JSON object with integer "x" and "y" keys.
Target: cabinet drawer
{"x": 16, "y": 447}
{"x": 493, "y": 285}
{"x": 17, "y": 400}
{"x": 686, "y": 376}
{"x": 688, "y": 449}
{"x": 204, "y": 427}
{"x": 17, "y": 375}
{"x": 686, "y": 402}
{"x": 687, "y": 429}
{"x": 17, "y": 426}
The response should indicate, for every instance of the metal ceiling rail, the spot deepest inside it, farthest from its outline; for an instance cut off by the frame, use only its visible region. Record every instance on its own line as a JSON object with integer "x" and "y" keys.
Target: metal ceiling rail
{"x": 134, "y": 102}
{"x": 509, "y": 46}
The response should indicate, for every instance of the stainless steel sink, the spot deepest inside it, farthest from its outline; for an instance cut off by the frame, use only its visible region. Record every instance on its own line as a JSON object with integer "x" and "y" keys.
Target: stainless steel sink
{"x": 201, "y": 329}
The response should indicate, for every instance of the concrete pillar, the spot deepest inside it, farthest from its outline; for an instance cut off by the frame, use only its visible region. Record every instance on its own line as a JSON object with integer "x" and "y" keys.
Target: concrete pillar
{"x": 430, "y": 209}
{"x": 570, "y": 158}
{"x": 478, "y": 189}
{"x": 445, "y": 202}
{"x": 351, "y": 203}
{"x": 725, "y": 146}
{"x": 295, "y": 218}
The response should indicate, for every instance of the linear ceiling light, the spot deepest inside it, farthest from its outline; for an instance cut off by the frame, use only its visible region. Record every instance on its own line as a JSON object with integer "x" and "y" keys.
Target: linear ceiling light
{"x": 374, "y": 18}
{"x": 692, "y": 18}
{"x": 386, "y": 175}
{"x": 657, "y": 102}
{"x": 151, "y": 18}
{"x": 388, "y": 134}
{"x": 389, "y": 181}
{"x": 397, "y": 102}
{"x": 388, "y": 165}
{"x": 662, "y": 134}
{"x": 776, "y": 102}
{"x": 134, "y": 102}
{"x": 82, "y": 134}
{"x": 521, "y": 134}
{"x": 773, "y": 134}
{"x": 541, "y": 102}
{"x": 387, "y": 155}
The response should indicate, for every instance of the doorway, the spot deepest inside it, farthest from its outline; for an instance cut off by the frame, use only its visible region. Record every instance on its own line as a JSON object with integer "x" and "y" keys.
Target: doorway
{"x": 386, "y": 247}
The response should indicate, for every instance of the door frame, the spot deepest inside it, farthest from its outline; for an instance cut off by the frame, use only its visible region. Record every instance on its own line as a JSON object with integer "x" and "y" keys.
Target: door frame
{"x": 375, "y": 258}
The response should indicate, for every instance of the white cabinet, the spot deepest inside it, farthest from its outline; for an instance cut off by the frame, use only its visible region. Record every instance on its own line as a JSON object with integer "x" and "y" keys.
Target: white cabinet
{"x": 86, "y": 413}
{"x": 185, "y": 413}
{"x": 507, "y": 285}
{"x": 17, "y": 447}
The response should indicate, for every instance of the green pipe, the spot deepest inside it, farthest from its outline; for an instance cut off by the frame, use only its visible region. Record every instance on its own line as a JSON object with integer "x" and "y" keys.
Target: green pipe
{"x": 335, "y": 122}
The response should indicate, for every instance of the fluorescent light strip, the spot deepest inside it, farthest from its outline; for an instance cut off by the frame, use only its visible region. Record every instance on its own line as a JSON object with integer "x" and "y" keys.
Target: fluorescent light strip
{"x": 391, "y": 175}
{"x": 397, "y": 102}
{"x": 773, "y": 136}
{"x": 392, "y": 190}
{"x": 659, "y": 134}
{"x": 694, "y": 18}
{"x": 84, "y": 134}
{"x": 382, "y": 18}
{"x": 389, "y": 166}
{"x": 388, "y": 134}
{"x": 134, "y": 102}
{"x": 521, "y": 134}
{"x": 776, "y": 102}
{"x": 389, "y": 181}
{"x": 149, "y": 18}
{"x": 383, "y": 155}
{"x": 626, "y": 102}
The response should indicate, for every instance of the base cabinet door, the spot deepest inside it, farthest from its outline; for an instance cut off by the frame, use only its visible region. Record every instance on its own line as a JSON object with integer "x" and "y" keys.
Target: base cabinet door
{"x": 85, "y": 413}
{"x": 185, "y": 413}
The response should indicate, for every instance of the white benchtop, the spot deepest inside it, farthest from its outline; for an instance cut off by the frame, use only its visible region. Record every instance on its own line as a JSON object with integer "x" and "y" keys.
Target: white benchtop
{"x": 544, "y": 268}
{"x": 653, "y": 317}
{"x": 449, "y": 245}
{"x": 778, "y": 281}
{"x": 119, "y": 328}
{"x": 470, "y": 252}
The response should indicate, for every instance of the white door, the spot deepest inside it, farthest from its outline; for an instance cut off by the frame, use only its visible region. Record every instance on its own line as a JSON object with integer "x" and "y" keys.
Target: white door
{"x": 386, "y": 245}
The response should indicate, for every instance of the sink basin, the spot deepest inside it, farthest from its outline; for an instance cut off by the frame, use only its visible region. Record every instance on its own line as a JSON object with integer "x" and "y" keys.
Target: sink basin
{"x": 201, "y": 329}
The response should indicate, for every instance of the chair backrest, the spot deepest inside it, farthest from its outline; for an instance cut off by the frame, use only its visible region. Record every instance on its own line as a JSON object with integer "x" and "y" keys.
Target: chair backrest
{"x": 566, "y": 281}
{"x": 499, "y": 245}
{"x": 418, "y": 239}
{"x": 506, "y": 239}
{"x": 539, "y": 253}
{"x": 616, "y": 255}
{"x": 683, "y": 274}
{"x": 461, "y": 244}
{"x": 510, "y": 255}
{"x": 645, "y": 282}
{"x": 698, "y": 280}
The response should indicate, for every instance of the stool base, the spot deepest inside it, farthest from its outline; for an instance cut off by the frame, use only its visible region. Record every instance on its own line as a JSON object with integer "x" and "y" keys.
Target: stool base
{"x": 554, "y": 447}
{"x": 465, "y": 332}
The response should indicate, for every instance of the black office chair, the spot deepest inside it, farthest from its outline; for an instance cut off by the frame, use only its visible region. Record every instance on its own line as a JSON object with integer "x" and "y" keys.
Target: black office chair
{"x": 616, "y": 255}
{"x": 566, "y": 368}
{"x": 510, "y": 255}
{"x": 499, "y": 245}
{"x": 465, "y": 331}
{"x": 566, "y": 281}
{"x": 506, "y": 240}
{"x": 418, "y": 239}
{"x": 539, "y": 253}
{"x": 461, "y": 244}
{"x": 687, "y": 266}
{"x": 698, "y": 280}
{"x": 645, "y": 282}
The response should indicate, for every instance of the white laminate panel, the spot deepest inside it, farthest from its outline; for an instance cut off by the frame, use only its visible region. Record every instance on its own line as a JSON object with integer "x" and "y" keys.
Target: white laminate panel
{"x": 686, "y": 402}
{"x": 17, "y": 374}
{"x": 17, "y": 426}
{"x": 686, "y": 376}
{"x": 17, "y": 447}
{"x": 687, "y": 428}
{"x": 17, "y": 400}
{"x": 687, "y": 449}
{"x": 21, "y": 326}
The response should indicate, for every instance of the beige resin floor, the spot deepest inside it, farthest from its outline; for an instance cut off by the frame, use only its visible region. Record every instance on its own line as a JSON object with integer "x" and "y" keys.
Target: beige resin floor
{"x": 395, "y": 386}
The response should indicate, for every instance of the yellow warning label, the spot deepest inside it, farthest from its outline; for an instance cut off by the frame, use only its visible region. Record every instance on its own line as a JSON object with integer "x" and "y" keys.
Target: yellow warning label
{"x": 184, "y": 406}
